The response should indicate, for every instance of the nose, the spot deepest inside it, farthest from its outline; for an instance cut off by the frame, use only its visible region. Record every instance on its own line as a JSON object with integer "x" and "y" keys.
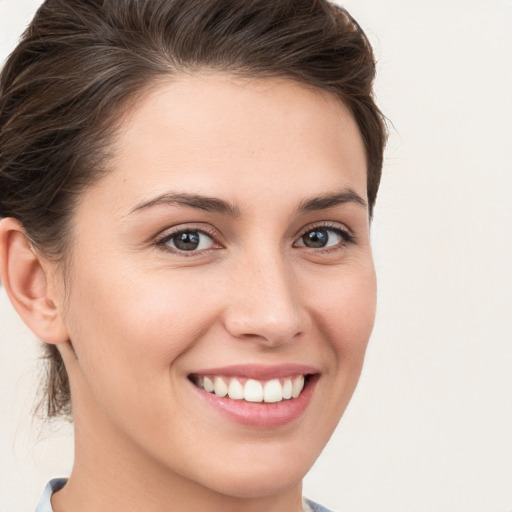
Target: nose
{"x": 265, "y": 302}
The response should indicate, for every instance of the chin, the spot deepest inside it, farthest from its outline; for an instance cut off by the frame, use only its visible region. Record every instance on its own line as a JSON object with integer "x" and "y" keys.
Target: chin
{"x": 263, "y": 482}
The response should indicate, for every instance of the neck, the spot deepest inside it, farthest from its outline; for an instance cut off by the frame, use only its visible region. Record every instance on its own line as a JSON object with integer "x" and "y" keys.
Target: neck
{"x": 111, "y": 473}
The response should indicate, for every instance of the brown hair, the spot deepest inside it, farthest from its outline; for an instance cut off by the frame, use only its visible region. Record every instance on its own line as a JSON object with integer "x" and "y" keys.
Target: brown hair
{"x": 81, "y": 63}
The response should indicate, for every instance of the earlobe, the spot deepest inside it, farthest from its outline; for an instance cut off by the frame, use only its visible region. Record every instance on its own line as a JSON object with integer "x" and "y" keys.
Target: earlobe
{"x": 23, "y": 273}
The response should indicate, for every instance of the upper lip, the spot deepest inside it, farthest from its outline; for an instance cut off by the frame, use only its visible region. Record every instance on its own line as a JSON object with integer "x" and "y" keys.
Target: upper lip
{"x": 259, "y": 372}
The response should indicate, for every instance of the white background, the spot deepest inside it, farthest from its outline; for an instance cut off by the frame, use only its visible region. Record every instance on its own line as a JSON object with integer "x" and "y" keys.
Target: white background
{"x": 430, "y": 426}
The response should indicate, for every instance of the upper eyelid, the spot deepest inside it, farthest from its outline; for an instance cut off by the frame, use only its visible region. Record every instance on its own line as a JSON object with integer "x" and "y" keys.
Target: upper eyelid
{"x": 161, "y": 242}
{"x": 327, "y": 225}
{"x": 170, "y": 232}
{"x": 347, "y": 235}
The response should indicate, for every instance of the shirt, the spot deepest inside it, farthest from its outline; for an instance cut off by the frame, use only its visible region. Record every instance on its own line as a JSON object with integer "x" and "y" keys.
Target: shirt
{"x": 54, "y": 485}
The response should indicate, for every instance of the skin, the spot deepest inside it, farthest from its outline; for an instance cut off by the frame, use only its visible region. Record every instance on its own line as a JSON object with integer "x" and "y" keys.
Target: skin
{"x": 134, "y": 318}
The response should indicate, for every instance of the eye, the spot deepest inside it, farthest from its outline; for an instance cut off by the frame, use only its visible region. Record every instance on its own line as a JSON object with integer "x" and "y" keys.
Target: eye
{"x": 188, "y": 240}
{"x": 323, "y": 237}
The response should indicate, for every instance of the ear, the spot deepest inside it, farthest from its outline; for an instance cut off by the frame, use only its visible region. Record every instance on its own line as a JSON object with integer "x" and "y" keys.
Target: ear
{"x": 24, "y": 274}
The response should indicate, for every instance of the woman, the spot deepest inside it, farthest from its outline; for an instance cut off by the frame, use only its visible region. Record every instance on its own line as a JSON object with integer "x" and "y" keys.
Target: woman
{"x": 186, "y": 189}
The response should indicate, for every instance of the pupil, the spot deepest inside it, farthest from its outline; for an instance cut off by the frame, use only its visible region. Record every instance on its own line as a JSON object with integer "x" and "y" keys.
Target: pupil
{"x": 316, "y": 238}
{"x": 187, "y": 241}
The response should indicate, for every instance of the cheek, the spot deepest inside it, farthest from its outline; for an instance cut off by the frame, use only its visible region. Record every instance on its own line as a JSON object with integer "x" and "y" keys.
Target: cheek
{"x": 345, "y": 307}
{"x": 345, "y": 314}
{"x": 128, "y": 331}
{"x": 130, "y": 336}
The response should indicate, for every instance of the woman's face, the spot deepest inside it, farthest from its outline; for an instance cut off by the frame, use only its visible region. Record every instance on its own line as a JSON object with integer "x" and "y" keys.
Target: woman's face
{"x": 228, "y": 247}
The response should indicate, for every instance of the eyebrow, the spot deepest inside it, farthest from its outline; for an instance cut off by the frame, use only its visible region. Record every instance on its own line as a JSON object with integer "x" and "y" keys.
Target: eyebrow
{"x": 209, "y": 204}
{"x": 326, "y": 201}
{"x": 216, "y": 205}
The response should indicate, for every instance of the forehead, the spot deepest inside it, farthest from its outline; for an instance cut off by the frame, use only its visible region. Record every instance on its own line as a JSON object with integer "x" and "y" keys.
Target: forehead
{"x": 210, "y": 133}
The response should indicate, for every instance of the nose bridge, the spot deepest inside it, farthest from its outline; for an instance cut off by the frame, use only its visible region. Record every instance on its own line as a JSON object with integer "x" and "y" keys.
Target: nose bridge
{"x": 265, "y": 303}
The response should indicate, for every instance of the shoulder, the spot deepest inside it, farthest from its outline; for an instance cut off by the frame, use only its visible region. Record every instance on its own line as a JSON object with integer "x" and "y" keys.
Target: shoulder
{"x": 312, "y": 506}
{"x": 52, "y": 486}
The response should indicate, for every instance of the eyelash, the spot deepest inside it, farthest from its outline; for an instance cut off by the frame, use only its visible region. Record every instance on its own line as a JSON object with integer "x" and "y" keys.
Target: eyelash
{"x": 347, "y": 237}
{"x": 162, "y": 241}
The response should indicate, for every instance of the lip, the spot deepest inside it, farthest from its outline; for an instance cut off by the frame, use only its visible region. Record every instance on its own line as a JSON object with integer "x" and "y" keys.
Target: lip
{"x": 260, "y": 415}
{"x": 259, "y": 372}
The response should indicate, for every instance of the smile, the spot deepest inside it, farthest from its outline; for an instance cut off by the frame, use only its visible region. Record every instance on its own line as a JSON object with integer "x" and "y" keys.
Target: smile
{"x": 257, "y": 396}
{"x": 252, "y": 390}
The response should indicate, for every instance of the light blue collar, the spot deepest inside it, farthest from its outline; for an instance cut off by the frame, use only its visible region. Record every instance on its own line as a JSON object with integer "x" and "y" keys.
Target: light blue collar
{"x": 52, "y": 486}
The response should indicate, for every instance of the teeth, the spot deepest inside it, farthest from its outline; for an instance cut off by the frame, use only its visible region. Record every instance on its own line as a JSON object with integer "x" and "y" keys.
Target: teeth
{"x": 208, "y": 385}
{"x": 287, "y": 388}
{"x": 236, "y": 390}
{"x": 272, "y": 391}
{"x": 298, "y": 385}
{"x": 219, "y": 387}
{"x": 253, "y": 391}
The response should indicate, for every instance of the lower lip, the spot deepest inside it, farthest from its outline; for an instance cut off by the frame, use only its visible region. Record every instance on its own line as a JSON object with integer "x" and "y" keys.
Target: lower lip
{"x": 261, "y": 414}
